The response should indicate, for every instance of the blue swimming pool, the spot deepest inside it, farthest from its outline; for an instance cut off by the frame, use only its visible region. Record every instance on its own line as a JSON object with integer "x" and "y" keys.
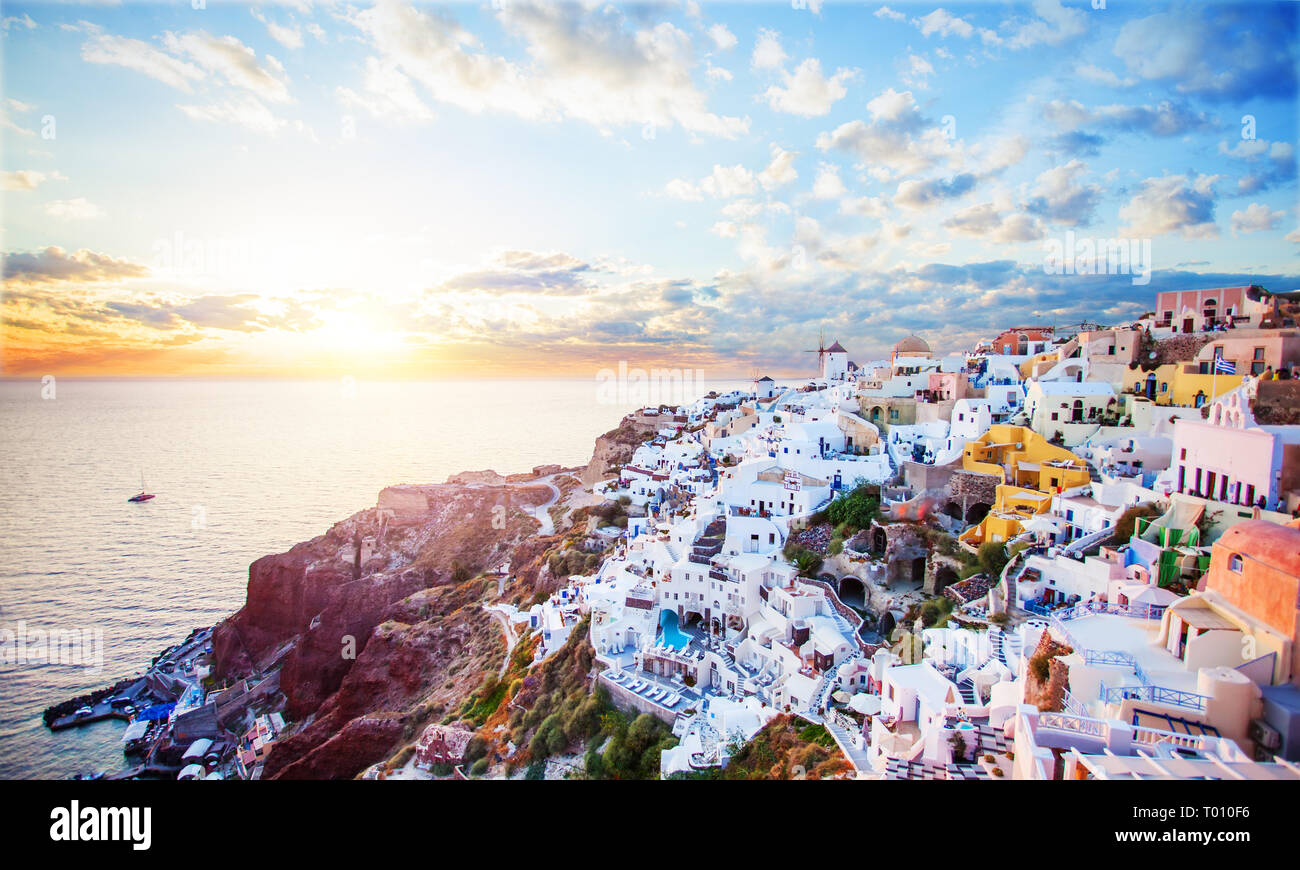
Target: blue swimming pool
{"x": 672, "y": 635}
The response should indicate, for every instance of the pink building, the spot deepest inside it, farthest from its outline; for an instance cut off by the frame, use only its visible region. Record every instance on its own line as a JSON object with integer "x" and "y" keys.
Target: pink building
{"x": 1198, "y": 310}
{"x": 1253, "y": 351}
{"x": 946, "y": 387}
{"x": 1230, "y": 458}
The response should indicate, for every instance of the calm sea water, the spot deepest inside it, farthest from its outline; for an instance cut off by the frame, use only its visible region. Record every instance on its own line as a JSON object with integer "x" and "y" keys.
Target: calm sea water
{"x": 241, "y": 469}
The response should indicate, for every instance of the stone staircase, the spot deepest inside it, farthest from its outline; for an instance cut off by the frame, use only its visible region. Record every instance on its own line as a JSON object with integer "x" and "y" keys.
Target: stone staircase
{"x": 968, "y": 692}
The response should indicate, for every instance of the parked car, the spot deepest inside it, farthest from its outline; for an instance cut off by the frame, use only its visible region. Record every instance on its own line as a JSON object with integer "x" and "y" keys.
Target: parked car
{"x": 84, "y": 711}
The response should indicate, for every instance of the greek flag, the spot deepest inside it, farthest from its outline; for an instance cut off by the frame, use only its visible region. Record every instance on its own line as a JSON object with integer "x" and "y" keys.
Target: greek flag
{"x": 1224, "y": 366}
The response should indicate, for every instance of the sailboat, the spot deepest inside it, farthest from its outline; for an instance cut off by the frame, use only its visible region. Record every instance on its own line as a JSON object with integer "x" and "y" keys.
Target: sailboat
{"x": 142, "y": 495}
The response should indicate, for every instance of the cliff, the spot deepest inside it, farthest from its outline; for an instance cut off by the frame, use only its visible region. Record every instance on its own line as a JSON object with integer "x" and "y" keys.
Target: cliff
{"x": 377, "y": 625}
{"x": 614, "y": 449}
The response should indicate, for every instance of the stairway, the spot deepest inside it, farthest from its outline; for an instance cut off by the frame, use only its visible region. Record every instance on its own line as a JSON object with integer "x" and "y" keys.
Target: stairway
{"x": 968, "y": 693}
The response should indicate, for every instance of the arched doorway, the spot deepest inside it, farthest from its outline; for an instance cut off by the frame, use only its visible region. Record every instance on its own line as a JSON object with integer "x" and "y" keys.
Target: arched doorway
{"x": 976, "y": 513}
{"x": 879, "y": 541}
{"x": 918, "y": 569}
{"x": 953, "y": 510}
{"x": 944, "y": 577}
{"x": 853, "y": 592}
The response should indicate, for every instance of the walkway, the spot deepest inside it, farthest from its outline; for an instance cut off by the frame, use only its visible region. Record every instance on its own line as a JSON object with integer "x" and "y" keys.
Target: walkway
{"x": 511, "y": 637}
{"x": 542, "y": 513}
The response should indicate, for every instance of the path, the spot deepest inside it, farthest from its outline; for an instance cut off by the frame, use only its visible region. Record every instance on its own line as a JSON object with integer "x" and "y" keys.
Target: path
{"x": 542, "y": 512}
{"x": 511, "y": 637}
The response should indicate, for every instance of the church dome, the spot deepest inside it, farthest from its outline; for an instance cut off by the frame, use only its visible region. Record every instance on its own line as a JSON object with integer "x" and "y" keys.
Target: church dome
{"x": 912, "y": 344}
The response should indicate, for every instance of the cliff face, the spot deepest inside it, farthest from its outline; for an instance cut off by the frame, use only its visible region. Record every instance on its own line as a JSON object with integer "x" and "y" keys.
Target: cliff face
{"x": 371, "y": 647}
{"x": 615, "y": 448}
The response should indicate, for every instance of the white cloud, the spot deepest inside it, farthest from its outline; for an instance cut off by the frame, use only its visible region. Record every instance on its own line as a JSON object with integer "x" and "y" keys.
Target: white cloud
{"x": 73, "y": 209}
{"x": 1173, "y": 204}
{"x": 389, "y": 93}
{"x": 807, "y": 92}
{"x": 828, "y": 184}
{"x": 1055, "y": 24}
{"x": 915, "y": 70}
{"x": 105, "y": 48}
{"x": 728, "y": 181}
{"x": 1059, "y": 197}
{"x": 898, "y": 139}
{"x": 768, "y": 53}
{"x": 885, "y": 12}
{"x": 985, "y": 221}
{"x": 865, "y": 206}
{"x": 24, "y": 179}
{"x": 585, "y": 63}
{"x": 1256, "y": 218}
{"x": 780, "y": 171}
{"x": 680, "y": 188}
{"x": 944, "y": 23}
{"x": 26, "y": 21}
{"x": 723, "y": 38}
{"x": 289, "y": 37}
{"x": 242, "y": 111}
{"x": 1103, "y": 76}
{"x": 717, "y": 73}
{"x": 227, "y": 57}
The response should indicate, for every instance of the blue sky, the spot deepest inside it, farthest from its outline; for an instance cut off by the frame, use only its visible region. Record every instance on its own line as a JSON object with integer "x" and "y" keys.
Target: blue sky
{"x": 467, "y": 188}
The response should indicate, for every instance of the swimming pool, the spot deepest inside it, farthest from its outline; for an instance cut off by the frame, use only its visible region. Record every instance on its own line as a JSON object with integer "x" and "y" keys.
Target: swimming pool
{"x": 672, "y": 635}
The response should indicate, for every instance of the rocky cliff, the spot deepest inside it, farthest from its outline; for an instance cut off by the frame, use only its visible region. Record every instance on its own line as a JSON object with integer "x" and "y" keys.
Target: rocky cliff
{"x": 614, "y": 449}
{"x": 377, "y": 626}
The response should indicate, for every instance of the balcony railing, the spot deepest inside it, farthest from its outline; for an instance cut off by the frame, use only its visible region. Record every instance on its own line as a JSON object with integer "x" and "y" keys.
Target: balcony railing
{"x": 1154, "y": 695}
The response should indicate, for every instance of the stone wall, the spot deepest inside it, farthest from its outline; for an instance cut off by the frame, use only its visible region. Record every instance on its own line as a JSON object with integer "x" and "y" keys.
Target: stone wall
{"x": 967, "y": 488}
{"x": 625, "y": 699}
{"x": 934, "y": 565}
{"x": 904, "y": 544}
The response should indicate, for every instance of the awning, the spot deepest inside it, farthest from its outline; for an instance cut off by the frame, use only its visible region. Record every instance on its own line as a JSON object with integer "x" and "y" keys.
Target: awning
{"x": 134, "y": 731}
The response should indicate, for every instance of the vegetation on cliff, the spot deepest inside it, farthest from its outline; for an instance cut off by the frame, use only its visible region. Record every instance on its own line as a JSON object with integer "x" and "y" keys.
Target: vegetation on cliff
{"x": 552, "y": 710}
{"x": 788, "y": 747}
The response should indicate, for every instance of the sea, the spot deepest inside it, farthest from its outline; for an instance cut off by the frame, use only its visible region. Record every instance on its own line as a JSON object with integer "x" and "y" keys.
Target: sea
{"x": 240, "y": 469}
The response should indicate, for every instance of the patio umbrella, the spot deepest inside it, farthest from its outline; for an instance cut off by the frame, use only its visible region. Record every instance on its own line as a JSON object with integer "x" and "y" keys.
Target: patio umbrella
{"x": 1154, "y": 595}
{"x": 868, "y": 705}
{"x": 841, "y": 696}
{"x": 1041, "y": 525}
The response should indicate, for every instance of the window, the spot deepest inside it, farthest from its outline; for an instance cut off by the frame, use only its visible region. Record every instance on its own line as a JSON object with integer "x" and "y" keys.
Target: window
{"x": 1234, "y": 563}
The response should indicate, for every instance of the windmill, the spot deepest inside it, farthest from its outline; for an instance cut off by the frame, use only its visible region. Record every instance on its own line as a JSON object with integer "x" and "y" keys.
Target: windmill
{"x": 820, "y": 351}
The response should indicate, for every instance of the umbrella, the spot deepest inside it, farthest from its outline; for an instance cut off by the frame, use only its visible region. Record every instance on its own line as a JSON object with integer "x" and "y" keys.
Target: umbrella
{"x": 1154, "y": 595}
{"x": 841, "y": 696}
{"x": 1041, "y": 524}
{"x": 868, "y": 705}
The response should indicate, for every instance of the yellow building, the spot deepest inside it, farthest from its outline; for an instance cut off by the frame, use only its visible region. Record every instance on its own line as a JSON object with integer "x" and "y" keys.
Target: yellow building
{"x": 1180, "y": 384}
{"x": 1022, "y": 457}
{"x": 1012, "y": 507}
{"x": 1031, "y": 469}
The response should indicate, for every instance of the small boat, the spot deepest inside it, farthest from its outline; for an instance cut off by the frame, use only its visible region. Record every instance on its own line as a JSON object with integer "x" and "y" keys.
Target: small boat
{"x": 142, "y": 495}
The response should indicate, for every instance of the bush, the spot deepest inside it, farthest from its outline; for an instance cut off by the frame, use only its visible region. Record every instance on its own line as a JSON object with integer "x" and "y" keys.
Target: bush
{"x": 935, "y": 611}
{"x": 854, "y": 511}
{"x": 479, "y": 767}
{"x": 992, "y": 558}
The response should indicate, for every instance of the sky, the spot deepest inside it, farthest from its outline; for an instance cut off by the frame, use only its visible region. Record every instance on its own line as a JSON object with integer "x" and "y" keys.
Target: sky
{"x": 532, "y": 189}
